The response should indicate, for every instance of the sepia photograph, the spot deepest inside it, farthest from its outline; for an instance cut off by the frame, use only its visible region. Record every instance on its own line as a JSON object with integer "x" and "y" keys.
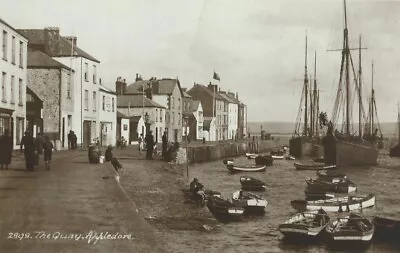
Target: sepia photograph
{"x": 175, "y": 126}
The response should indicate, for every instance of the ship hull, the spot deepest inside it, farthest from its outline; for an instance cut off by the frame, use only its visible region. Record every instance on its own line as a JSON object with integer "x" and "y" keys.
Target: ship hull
{"x": 300, "y": 147}
{"x": 346, "y": 153}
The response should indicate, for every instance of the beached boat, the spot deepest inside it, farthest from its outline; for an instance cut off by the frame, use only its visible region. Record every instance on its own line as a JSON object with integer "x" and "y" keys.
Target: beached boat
{"x": 224, "y": 210}
{"x": 264, "y": 160}
{"x": 306, "y": 224}
{"x": 313, "y": 166}
{"x": 278, "y": 157}
{"x": 252, "y": 204}
{"x": 387, "y": 228}
{"x": 329, "y": 175}
{"x": 336, "y": 185}
{"x": 352, "y": 228}
{"x": 337, "y": 204}
{"x": 252, "y": 184}
{"x": 312, "y": 194}
{"x": 245, "y": 168}
{"x": 251, "y": 155}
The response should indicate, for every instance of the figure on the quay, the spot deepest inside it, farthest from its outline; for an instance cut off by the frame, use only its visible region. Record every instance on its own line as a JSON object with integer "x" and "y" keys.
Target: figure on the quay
{"x": 28, "y": 144}
{"x": 164, "y": 144}
{"x": 140, "y": 141}
{"x": 48, "y": 152}
{"x": 6, "y": 146}
{"x": 38, "y": 147}
{"x": 149, "y": 145}
{"x": 70, "y": 138}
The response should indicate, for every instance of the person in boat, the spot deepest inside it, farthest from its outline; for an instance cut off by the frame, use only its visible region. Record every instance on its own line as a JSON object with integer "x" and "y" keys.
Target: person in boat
{"x": 237, "y": 195}
{"x": 197, "y": 188}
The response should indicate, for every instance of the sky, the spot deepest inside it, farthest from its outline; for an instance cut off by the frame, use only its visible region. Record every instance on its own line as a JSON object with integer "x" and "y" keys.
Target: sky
{"x": 257, "y": 47}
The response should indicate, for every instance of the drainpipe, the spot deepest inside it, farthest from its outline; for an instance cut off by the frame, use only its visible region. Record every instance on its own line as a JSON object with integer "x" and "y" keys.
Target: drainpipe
{"x": 81, "y": 109}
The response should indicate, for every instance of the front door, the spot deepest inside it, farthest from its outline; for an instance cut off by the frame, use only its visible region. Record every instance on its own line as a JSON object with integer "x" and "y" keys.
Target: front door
{"x": 86, "y": 133}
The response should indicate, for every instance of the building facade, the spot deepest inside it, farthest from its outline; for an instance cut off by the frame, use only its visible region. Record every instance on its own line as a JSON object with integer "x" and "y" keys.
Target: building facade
{"x": 50, "y": 81}
{"x": 86, "y": 80}
{"x": 13, "y": 78}
{"x": 232, "y": 115}
{"x": 107, "y": 116}
{"x": 153, "y": 115}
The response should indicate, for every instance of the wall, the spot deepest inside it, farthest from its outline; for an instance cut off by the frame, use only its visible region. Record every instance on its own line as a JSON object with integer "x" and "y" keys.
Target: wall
{"x": 125, "y": 133}
{"x": 232, "y": 120}
{"x": 67, "y": 104}
{"x": 20, "y": 73}
{"x": 107, "y": 117}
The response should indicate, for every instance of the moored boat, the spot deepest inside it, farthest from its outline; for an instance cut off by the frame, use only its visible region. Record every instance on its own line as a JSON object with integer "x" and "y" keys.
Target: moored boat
{"x": 352, "y": 228}
{"x": 312, "y": 194}
{"x": 252, "y": 184}
{"x": 245, "y": 168}
{"x": 337, "y": 186}
{"x": 306, "y": 224}
{"x": 337, "y": 204}
{"x": 329, "y": 175}
{"x": 387, "y": 228}
{"x": 224, "y": 210}
{"x": 278, "y": 157}
{"x": 251, "y": 155}
{"x": 313, "y": 166}
{"x": 264, "y": 160}
{"x": 251, "y": 203}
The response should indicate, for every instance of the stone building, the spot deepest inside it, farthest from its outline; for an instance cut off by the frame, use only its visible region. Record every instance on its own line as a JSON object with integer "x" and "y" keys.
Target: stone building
{"x": 13, "y": 76}
{"x": 192, "y": 117}
{"x": 107, "y": 116}
{"x": 233, "y": 106}
{"x": 51, "y": 83}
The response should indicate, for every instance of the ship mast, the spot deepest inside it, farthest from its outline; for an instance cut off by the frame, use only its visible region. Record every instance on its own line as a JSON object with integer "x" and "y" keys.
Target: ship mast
{"x": 306, "y": 92}
{"x": 315, "y": 110}
{"x": 346, "y": 53}
{"x": 372, "y": 100}
{"x": 359, "y": 92}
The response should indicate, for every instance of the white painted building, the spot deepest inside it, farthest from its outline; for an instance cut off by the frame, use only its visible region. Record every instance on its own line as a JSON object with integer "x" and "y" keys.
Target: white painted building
{"x": 13, "y": 79}
{"x": 107, "y": 115}
{"x": 233, "y": 108}
{"x": 209, "y": 129}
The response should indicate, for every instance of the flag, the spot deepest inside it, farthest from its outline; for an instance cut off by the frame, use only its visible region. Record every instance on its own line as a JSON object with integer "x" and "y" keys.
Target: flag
{"x": 216, "y": 76}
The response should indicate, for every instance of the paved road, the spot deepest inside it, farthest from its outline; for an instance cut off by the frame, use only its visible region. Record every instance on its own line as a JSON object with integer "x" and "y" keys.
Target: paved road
{"x": 40, "y": 211}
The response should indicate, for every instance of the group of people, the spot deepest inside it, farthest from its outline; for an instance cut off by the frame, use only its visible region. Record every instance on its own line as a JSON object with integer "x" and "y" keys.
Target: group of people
{"x": 72, "y": 140}
{"x": 149, "y": 144}
{"x": 30, "y": 146}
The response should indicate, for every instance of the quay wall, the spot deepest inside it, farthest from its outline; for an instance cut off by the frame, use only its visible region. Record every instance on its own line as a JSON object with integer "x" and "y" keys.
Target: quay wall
{"x": 207, "y": 153}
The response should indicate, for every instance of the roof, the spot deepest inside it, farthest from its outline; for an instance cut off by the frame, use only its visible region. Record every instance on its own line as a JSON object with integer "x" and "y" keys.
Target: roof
{"x": 12, "y": 28}
{"x": 135, "y": 118}
{"x": 232, "y": 96}
{"x": 185, "y": 94}
{"x": 125, "y": 101}
{"x": 38, "y": 59}
{"x": 107, "y": 90}
{"x": 228, "y": 98}
{"x": 163, "y": 86}
{"x": 121, "y": 115}
{"x": 207, "y": 90}
{"x": 63, "y": 48}
{"x": 194, "y": 104}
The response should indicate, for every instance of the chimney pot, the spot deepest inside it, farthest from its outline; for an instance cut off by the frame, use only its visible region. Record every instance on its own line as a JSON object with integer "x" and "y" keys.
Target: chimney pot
{"x": 72, "y": 39}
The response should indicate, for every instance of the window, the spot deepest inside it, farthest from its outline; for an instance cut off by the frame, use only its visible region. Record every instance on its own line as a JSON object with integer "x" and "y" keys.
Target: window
{"x": 13, "y": 49}
{"x": 113, "y": 104}
{"x": 86, "y": 72}
{"x": 3, "y": 87}
{"x": 94, "y": 74}
{"x": 94, "y": 101}
{"x": 179, "y": 103}
{"x": 21, "y": 54}
{"x": 20, "y": 92}
{"x": 104, "y": 103}
{"x": 19, "y": 129}
{"x": 5, "y": 45}
{"x": 12, "y": 88}
{"x": 179, "y": 118}
{"x": 156, "y": 115}
{"x": 173, "y": 117}
{"x": 69, "y": 76}
{"x": 161, "y": 117}
{"x": 86, "y": 100}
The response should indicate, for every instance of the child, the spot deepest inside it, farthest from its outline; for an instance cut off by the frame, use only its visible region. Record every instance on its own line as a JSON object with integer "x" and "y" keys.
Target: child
{"x": 48, "y": 151}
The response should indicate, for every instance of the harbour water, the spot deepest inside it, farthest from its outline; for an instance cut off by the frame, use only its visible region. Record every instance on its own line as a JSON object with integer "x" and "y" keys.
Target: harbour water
{"x": 284, "y": 184}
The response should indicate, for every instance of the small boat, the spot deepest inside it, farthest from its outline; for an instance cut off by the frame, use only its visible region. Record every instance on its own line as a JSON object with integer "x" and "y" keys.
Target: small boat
{"x": 264, "y": 160}
{"x": 337, "y": 186}
{"x": 337, "y": 204}
{"x": 306, "y": 224}
{"x": 313, "y": 166}
{"x": 252, "y": 184}
{"x": 278, "y": 157}
{"x": 352, "y": 228}
{"x": 224, "y": 210}
{"x": 251, "y": 155}
{"x": 252, "y": 204}
{"x": 317, "y": 195}
{"x": 245, "y": 168}
{"x": 328, "y": 175}
{"x": 387, "y": 228}
{"x": 197, "y": 198}
{"x": 225, "y": 161}
{"x": 289, "y": 157}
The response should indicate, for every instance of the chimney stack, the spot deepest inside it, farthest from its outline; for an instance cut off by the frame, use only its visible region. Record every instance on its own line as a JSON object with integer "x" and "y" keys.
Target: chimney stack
{"x": 237, "y": 96}
{"x": 72, "y": 39}
{"x": 120, "y": 86}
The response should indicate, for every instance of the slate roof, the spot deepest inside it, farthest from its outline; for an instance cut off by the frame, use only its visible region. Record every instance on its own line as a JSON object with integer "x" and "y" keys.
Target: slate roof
{"x": 107, "y": 90}
{"x": 136, "y": 101}
{"x": 228, "y": 98}
{"x": 37, "y": 37}
{"x": 38, "y": 59}
{"x": 121, "y": 115}
{"x": 163, "y": 86}
{"x": 209, "y": 91}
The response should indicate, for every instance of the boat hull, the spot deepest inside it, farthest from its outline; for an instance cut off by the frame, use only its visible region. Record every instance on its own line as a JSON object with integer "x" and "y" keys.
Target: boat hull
{"x": 313, "y": 166}
{"x": 346, "y": 153}
{"x": 387, "y": 229}
{"x": 336, "y": 187}
{"x": 234, "y": 169}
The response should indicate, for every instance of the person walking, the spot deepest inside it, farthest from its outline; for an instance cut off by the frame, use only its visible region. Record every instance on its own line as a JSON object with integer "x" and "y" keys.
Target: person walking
{"x": 28, "y": 144}
{"x": 6, "y": 148}
{"x": 38, "y": 146}
{"x": 140, "y": 141}
{"x": 149, "y": 145}
{"x": 164, "y": 144}
{"x": 48, "y": 152}
{"x": 70, "y": 137}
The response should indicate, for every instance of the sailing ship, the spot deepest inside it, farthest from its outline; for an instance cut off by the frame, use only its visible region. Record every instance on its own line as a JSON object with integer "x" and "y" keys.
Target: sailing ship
{"x": 395, "y": 151}
{"x": 345, "y": 148}
{"x": 304, "y": 143}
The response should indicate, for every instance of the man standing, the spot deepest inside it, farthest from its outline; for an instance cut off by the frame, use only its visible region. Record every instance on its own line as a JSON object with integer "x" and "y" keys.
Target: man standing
{"x": 149, "y": 145}
{"x": 6, "y": 148}
{"x": 29, "y": 150}
{"x": 164, "y": 144}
